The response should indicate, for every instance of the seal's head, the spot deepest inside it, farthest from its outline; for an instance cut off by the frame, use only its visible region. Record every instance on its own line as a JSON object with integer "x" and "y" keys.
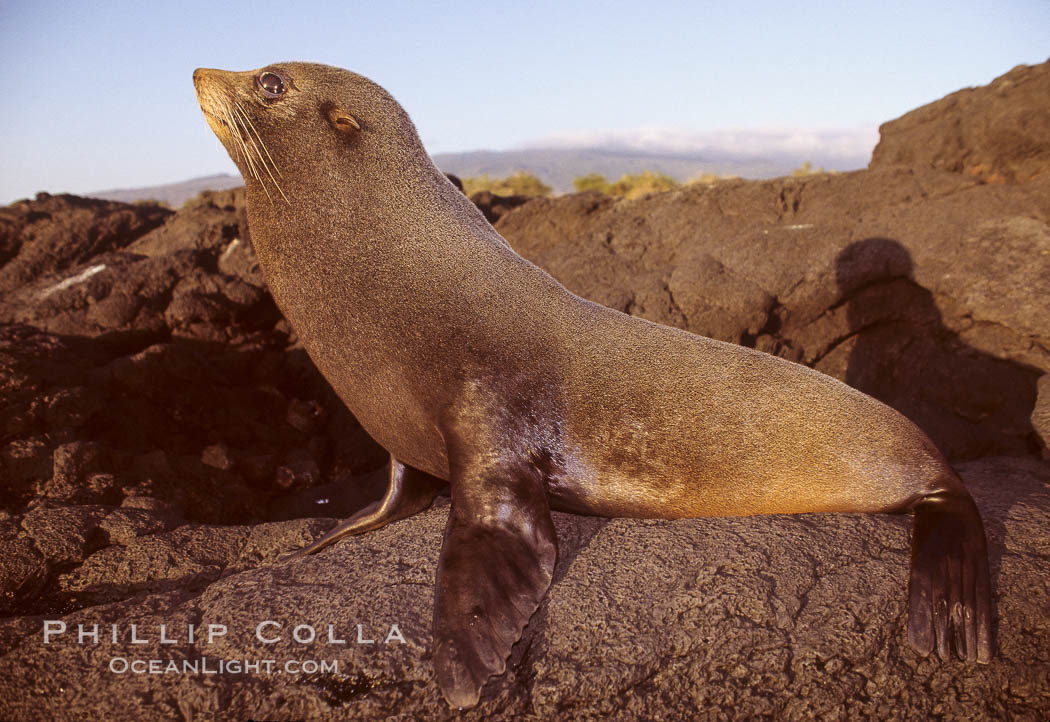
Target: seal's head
{"x": 332, "y": 121}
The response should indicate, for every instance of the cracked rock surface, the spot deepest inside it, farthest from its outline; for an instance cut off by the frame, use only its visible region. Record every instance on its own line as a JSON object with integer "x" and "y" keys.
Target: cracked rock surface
{"x": 786, "y": 617}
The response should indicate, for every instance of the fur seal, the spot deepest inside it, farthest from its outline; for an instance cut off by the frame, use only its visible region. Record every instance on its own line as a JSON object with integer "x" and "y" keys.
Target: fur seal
{"x": 475, "y": 368}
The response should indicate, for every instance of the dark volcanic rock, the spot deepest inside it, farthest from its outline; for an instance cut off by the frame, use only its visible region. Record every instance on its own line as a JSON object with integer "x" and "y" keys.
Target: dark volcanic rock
{"x": 53, "y": 233}
{"x": 999, "y": 133}
{"x": 194, "y": 276}
{"x": 493, "y": 206}
{"x": 1041, "y": 414}
{"x": 734, "y": 618}
{"x": 120, "y": 298}
{"x": 208, "y": 222}
{"x": 139, "y": 360}
{"x": 454, "y": 180}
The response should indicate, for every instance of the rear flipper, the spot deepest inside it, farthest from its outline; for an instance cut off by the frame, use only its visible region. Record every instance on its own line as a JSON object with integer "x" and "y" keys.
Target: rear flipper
{"x": 949, "y": 590}
{"x": 409, "y": 492}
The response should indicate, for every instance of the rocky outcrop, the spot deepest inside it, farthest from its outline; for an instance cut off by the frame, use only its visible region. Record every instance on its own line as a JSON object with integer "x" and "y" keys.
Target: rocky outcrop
{"x": 53, "y": 233}
{"x": 998, "y": 133}
{"x": 1041, "y": 414}
{"x": 494, "y": 206}
{"x": 168, "y": 368}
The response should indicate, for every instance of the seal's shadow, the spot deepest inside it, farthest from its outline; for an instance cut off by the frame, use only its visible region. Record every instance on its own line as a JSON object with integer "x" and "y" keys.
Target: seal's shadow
{"x": 970, "y": 403}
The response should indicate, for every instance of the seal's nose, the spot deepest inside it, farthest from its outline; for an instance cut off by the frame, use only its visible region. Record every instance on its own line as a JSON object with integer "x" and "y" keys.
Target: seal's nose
{"x": 202, "y": 74}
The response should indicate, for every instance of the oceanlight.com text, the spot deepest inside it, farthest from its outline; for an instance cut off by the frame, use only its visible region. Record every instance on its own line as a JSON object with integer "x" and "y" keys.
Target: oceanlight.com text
{"x": 210, "y": 665}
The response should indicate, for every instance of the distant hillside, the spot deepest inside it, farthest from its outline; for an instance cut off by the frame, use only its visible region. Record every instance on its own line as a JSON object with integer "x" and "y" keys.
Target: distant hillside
{"x": 558, "y": 167}
{"x": 174, "y": 194}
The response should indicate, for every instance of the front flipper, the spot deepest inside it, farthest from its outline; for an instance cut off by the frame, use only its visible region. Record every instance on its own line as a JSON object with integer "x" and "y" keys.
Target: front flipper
{"x": 408, "y": 492}
{"x": 496, "y": 563}
{"x": 949, "y": 590}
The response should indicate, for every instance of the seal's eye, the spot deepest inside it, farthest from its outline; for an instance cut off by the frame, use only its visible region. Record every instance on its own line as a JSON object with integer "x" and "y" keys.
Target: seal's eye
{"x": 272, "y": 84}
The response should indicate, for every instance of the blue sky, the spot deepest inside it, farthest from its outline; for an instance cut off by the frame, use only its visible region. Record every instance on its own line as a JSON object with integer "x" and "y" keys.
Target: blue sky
{"x": 98, "y": 95}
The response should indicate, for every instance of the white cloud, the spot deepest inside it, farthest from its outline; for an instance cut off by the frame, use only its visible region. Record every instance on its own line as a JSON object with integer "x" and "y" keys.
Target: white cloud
{"x": 760, "y": 142}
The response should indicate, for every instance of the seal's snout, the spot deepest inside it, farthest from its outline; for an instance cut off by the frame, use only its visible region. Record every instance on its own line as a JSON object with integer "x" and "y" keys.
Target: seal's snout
{"x": 213, "y": 89}
{"x": 203, "y": 77}
{"x": 213, "y": 97}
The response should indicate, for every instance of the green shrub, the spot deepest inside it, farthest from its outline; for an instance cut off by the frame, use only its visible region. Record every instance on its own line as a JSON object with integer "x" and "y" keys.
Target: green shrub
{"x": 629, "y": 186}
{"x": 709, "y": 179}
{"x": 591, "y": 182}
{"x": 519, "y": 184}
{"x": 806, "y": 169}
{"x": 640, "y": 184}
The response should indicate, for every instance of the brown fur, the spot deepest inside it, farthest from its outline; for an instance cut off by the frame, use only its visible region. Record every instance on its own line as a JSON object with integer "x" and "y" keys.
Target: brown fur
{"x": 473, "y": 366}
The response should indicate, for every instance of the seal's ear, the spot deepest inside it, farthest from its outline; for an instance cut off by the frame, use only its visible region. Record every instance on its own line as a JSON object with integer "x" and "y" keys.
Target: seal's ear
{"x": 342, "y": 120}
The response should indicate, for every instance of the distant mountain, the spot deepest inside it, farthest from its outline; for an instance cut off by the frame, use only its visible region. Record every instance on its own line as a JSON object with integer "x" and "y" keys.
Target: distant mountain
{"x": 557, "y": 161}
{"x": 558, "y": 167}
{"x": 174, "y": 194}
{"x": 682, "y": 153}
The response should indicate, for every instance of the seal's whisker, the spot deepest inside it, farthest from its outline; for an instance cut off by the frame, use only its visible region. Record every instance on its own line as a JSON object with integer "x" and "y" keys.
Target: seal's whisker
{"x": 252, "y": 156}
{"x": 248, "y": 159}
{"x": 259, "y": 137}
{"x": 245, "y": 151}
{"x": 248, "y": 137}
{"x": 228, "y": 129}
{"x": 234, "y": 132}
{"x": 257, "y": 145}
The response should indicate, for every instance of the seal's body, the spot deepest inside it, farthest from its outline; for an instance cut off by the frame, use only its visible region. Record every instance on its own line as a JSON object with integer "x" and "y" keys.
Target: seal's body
{"x": 472, "y": 366}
